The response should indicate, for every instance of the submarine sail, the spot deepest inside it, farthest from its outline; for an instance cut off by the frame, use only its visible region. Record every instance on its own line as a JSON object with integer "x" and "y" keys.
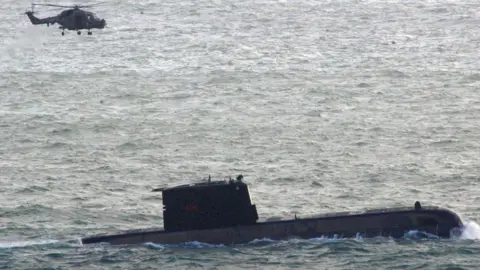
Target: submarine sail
{"x": 208, "y": 205}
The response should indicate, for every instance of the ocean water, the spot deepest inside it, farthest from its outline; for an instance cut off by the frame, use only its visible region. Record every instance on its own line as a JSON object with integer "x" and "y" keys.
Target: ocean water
{"x": 322, "y": 106}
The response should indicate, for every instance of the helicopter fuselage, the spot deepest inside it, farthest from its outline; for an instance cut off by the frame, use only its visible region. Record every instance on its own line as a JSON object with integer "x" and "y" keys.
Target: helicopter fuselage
{"x": 71, "y": 19}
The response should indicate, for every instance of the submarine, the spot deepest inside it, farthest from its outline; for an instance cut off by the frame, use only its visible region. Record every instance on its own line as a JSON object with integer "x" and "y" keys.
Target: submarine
{"x": 221, "y": 212}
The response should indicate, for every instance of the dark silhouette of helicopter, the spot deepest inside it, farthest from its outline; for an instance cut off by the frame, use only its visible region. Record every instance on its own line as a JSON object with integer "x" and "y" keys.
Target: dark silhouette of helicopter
{"x": 74, "y": 18}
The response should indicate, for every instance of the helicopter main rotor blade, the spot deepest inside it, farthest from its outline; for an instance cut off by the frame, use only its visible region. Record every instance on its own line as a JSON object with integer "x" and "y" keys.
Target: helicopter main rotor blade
{"x": 70, "y": 6}
{"x": 62, "y": 6}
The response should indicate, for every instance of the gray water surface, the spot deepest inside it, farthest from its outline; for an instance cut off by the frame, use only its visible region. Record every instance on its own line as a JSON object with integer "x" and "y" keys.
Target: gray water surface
{"x": 322, "y": 106}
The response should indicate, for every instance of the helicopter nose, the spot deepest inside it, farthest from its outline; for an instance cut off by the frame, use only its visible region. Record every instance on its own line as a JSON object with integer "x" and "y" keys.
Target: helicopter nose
{"x": 104, "y": 22}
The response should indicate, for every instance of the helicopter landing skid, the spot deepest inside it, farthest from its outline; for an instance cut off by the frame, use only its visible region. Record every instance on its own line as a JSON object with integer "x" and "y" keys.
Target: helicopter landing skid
{"x": 78, "y": 33}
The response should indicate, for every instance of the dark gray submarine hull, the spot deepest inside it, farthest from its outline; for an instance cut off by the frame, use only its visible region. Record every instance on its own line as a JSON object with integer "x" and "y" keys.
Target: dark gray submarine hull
{"x": 370, "y": 223}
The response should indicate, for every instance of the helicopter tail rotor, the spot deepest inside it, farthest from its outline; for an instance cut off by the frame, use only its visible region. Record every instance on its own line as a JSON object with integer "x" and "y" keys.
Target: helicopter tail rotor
{"x": 31, "y": 11}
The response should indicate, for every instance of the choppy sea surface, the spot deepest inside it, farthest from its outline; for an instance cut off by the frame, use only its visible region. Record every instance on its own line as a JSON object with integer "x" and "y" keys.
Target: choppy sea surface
{"x": 322, "y": 106}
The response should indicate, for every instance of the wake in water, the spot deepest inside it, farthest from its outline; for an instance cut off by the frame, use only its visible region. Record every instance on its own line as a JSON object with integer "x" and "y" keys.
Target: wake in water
{"x": 40, "y": 242}
{"x": 20, "y": 244}
{"x": 193, "y": 244}
{"x": 470, "y": 231}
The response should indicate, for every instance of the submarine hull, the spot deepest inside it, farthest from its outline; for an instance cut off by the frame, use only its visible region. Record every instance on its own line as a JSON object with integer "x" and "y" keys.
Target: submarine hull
{"x": 371, "y": 223}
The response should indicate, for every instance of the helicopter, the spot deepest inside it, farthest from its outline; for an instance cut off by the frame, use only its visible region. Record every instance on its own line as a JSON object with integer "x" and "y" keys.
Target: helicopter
{"x": 74, "y": 18}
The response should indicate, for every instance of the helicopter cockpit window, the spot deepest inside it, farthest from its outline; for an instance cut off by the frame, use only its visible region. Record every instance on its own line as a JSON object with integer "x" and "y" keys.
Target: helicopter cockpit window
{"x": 92, "y": 16}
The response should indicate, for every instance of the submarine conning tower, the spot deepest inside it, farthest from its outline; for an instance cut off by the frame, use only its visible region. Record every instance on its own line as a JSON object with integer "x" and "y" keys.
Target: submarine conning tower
{"x": 207, "y": 205}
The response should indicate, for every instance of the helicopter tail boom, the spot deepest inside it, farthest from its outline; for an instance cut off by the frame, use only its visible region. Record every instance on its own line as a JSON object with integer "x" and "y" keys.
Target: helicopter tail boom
{"x": 35, "y": 20}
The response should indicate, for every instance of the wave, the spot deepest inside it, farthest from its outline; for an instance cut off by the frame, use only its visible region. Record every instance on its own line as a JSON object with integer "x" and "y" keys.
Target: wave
{"x": 40, "y": 242}
{"x": 193, "y": 244}
{"x": 470, "y": 231}
{"x": 19, "y": 244}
